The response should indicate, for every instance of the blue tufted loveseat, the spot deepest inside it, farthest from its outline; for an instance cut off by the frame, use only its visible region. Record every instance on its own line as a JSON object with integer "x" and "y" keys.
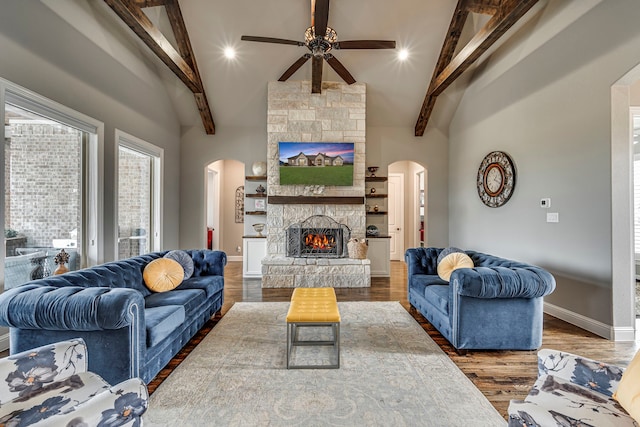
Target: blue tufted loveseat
{"x": 129, "y": 330}
{"x": 497, "y": 305}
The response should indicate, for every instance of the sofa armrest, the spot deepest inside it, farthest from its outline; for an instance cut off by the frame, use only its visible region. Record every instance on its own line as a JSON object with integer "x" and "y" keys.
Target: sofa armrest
{"x": 121, "y": 404}
{"x": 598, "y": 376}
{"x": 72, "y": 308}
{"x": 26, "y": 372}
{"x": 502, "y": 282}
{"x": 208, "y": 263}
{"x": 422, "y": 261}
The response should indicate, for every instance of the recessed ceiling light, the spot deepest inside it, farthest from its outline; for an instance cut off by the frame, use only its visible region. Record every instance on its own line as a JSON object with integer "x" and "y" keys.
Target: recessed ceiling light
{"x": 230, "y": 52}
{"x": 403, "y": 54}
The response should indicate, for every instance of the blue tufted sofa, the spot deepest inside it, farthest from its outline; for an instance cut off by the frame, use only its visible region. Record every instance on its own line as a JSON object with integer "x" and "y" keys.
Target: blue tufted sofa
{"x": 497, "y": 305}
{"x": 129, "y": 330}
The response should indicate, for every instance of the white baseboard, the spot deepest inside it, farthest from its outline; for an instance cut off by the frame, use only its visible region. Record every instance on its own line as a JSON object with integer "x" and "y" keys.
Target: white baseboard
{"x": 234, "y": 257}
{"x": 624, "y": 334}
{"x": 4, "y": 342}
{"x": 598, "y": 328}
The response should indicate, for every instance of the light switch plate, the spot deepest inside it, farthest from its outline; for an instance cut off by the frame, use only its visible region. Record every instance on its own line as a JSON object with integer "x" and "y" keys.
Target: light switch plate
{"x": 553, "y": 217}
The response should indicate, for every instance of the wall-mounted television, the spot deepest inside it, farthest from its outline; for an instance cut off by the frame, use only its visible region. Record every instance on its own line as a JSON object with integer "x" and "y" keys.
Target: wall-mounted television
{"x": 316, "y": 163}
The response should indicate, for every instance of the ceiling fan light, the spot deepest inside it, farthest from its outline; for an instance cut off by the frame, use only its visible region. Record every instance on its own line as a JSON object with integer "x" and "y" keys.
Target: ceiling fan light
{"x": 229, "y": 52}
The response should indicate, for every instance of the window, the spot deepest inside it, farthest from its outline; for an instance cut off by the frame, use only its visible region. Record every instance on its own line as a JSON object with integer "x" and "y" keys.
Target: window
{"x": 51, "y": 181}
{"x": 139, "y": 192}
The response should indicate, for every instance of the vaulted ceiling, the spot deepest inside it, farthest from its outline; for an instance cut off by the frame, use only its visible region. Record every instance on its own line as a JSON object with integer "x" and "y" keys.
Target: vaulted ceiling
{"x": 191, "y": 40}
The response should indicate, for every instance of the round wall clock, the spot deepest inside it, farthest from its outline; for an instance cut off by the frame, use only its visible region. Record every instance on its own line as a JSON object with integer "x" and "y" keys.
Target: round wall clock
{"x": 496, "y": 179}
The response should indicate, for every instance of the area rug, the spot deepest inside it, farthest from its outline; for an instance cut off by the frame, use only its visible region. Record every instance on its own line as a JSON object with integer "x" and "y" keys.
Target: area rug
{"x": 391, "y": 374}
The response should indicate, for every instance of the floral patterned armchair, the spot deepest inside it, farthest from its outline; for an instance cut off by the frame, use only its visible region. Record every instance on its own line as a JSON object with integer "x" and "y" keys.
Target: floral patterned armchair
{"x": 571, "y": 391}
{"x": 50, "y": 386}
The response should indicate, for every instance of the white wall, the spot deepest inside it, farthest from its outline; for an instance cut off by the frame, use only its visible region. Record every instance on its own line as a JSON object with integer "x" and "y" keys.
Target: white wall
{"x": 551, "y": 111}
{"x": 43, "y": 53}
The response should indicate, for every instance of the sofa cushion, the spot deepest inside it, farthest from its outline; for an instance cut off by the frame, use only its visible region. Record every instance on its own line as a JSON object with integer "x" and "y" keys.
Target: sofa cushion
{"x": 628, "y": 393}
{"x": 210, "y": 284}
{"x": 190, "y": 299}
{"x": 163, "y": 274}
{"x": 161, "y": 321}
{"x": 182, "y": 258}
{"x": 438, "y": 295}
{"x": 452, "y": 262}
{"x": 448, "y": 251}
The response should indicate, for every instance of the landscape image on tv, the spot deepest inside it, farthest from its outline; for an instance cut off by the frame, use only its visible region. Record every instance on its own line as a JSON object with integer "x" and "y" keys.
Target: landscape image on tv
{"x": 316, "y": 163}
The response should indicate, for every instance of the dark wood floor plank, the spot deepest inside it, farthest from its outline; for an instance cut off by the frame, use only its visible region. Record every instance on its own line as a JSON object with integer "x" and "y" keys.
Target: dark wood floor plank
{"x": 499, "y": 375}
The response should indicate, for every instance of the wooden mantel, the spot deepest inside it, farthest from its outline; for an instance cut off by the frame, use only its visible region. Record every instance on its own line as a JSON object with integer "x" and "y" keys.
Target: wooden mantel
{"x": 316, "y": 200}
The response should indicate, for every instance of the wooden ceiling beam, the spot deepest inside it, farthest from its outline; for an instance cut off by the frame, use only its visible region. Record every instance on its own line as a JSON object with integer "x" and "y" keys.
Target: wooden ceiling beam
{"x": 446, "y": 54}
{"x": 149, "y": 3}
{"x": 484, "y": 7}
{"x": 509, "y": 12}
{"x": 183, "y": 63}
{"x": 186, "y": 51}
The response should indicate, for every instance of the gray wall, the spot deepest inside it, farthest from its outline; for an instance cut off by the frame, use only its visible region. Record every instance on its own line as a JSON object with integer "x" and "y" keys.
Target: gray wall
{"x": 108, "y": 80}
{"x": 551, "y": 111}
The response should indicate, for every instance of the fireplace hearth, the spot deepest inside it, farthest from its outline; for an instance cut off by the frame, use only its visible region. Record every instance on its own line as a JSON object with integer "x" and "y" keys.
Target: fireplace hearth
{"x": 318, "y": 236}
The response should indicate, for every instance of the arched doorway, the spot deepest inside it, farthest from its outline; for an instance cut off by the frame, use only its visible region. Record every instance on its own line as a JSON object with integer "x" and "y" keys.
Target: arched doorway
{"x": 224, "y": 217}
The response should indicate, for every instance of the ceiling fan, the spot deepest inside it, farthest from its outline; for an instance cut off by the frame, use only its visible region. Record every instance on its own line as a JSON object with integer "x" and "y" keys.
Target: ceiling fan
{"x": 320, "y": 39}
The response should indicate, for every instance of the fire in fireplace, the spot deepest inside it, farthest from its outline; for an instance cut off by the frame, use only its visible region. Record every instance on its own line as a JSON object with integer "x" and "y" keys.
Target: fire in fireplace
{"x": 319, "y": 241}
{"x": 317, "y": 236}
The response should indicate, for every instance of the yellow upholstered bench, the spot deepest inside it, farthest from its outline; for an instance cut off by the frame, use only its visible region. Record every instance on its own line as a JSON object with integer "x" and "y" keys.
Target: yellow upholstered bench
{"x": 313, "y": 307}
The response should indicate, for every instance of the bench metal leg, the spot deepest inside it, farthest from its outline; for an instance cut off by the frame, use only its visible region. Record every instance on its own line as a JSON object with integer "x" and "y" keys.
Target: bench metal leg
{"x": 293, "y": 341}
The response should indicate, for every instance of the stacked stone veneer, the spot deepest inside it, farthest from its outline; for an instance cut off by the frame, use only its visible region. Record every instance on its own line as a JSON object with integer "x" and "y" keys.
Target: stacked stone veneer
{"x": 338, "y": 114}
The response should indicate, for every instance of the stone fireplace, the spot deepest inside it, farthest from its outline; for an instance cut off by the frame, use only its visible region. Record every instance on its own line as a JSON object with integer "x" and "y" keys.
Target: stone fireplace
{"x": 338, "y": 114}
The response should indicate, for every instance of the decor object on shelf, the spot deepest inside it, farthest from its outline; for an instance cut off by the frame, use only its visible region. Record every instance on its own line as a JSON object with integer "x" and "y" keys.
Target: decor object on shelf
{"x": 376, "y": 208}
{"x": 496, "y": 179}
{"x": 240, "y": 204}
{"x": 511, "y": 291}
{"x": 260, "y": 204}
{"x": 61, "y": 259}
{"x": 357, "y": 248}
{"x": 259, "y": 227}
{"x": 51, "y": 385}
{"x": 261, "y": 189}
{"x": 372, "y": 170}
{"x": 372, "y": 230}
{"x": 373, "y": 190}
{"x": 574, "y": 390}
{"x": 259, "y": 168}
{"x": 109, "y": 307}
{"x": 316, "y": 163}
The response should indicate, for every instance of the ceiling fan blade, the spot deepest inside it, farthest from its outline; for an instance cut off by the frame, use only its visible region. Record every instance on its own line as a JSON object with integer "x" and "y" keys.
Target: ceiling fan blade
{"x": 339, "y": 68}
{"x": 365, "y": 44}
{"x": 296, "y": 65}
{"x": 316, "y": 74}
{"x": 270, "y": 40}
{"x": 321, "y": 17}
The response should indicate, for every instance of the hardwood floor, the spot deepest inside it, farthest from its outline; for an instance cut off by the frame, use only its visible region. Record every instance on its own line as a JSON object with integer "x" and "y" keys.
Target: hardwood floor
{"x": 500, "y": 375}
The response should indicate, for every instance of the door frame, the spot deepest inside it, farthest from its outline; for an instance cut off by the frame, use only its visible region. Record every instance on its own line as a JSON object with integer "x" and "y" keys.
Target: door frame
{"x": 401, "y": 214}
